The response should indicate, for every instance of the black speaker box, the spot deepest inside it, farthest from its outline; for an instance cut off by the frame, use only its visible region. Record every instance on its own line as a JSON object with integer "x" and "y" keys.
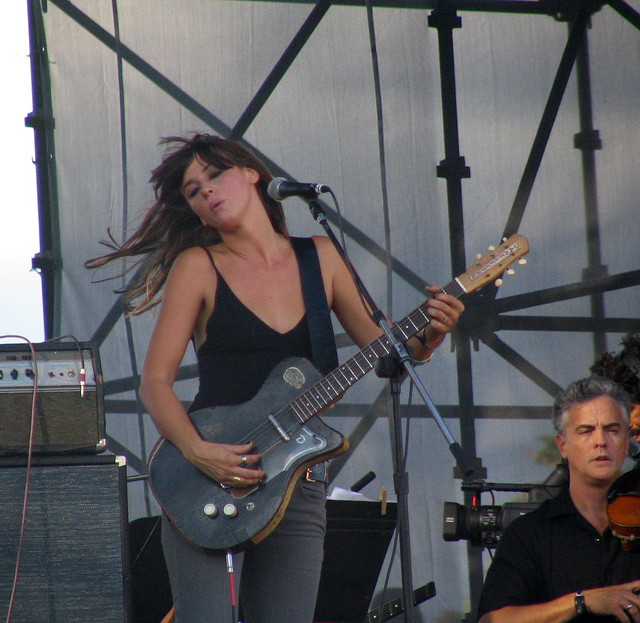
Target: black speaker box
{"x": 74, "y": 558}
{"x": 150, "y": 588}
{"x": 356, "y": 543}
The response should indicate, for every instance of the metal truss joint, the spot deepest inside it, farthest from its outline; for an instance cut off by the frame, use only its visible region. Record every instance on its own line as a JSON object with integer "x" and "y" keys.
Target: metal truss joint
{"x": 453, "y": 168}
{"x": 589, "y": 140}
{"x": 39, "y": 122}
{"x": 569, "y": 9}
{"x": 479, "y": 319}
{"x": 45, "y": 262}
{"x": 401, "y": 483}
{"x": 444, "y": 18}
{"x": 595, "y": 272}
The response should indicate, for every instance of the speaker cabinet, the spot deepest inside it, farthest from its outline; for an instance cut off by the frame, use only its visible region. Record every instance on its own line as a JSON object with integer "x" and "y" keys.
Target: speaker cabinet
{"x": 74, "y": 560}
{"x": 150, "y": 588}
{"x": 355, "y": 546}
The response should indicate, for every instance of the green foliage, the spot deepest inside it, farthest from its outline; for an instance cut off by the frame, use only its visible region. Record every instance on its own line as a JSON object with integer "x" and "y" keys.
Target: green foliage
{"x": 548, "y": 454}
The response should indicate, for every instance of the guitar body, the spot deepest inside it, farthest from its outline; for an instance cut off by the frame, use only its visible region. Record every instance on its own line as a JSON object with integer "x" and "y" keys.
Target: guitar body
{"x": 186, "y": 494}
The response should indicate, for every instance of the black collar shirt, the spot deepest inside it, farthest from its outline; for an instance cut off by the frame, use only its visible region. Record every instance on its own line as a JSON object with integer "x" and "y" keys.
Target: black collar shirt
{"x": 553, "y": 551}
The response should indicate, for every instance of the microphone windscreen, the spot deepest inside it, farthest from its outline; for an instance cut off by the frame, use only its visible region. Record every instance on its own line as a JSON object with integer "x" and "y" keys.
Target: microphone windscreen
{"x": 273, "y": 189}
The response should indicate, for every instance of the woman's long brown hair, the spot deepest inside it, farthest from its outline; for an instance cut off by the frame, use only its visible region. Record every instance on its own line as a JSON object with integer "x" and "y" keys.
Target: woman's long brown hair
{"x": 170, "y": 226}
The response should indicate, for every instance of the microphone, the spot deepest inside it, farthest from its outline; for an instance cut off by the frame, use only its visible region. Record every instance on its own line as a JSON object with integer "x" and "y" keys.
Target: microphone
{"x": 280, "y": 189}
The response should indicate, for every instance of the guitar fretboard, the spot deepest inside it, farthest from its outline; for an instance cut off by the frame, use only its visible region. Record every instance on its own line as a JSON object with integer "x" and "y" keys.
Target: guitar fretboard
{"x": 332, "y": 386}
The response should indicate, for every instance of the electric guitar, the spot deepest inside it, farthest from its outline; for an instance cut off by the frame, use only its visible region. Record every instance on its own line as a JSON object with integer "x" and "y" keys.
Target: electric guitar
{"x": 283, "y": 424}
{"x": 395, "y": 607}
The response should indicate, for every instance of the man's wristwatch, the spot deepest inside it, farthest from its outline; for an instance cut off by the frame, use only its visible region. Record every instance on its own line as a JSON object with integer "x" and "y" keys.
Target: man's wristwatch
{"x": 578, "y": 602}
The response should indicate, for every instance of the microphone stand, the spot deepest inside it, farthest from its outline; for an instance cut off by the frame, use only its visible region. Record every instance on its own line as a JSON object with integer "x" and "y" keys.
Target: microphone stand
{"x": 402, "y": 359}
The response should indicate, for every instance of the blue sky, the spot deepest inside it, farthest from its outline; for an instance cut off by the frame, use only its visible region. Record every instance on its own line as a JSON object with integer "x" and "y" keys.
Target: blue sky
{"x": 20, "y": 288}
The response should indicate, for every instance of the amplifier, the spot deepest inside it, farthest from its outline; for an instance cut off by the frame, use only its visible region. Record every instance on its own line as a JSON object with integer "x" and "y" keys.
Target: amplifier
{"x": 69, "y": 413}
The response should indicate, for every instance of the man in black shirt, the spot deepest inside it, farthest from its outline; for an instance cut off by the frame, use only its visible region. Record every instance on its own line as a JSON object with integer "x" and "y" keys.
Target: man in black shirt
{"x": 561, "y": 561}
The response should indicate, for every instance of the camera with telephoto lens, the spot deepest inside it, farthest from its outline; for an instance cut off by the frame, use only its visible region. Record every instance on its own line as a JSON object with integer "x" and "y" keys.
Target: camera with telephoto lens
{"x": 483, "y": 525}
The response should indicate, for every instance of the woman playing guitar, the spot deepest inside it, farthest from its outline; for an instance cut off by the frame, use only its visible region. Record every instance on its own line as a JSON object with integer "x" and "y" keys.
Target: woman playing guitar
{"x": 218, "y": 248}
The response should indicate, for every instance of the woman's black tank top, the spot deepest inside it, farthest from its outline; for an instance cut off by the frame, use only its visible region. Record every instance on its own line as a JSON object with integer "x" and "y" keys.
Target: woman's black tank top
{"x": 240, "y": 350}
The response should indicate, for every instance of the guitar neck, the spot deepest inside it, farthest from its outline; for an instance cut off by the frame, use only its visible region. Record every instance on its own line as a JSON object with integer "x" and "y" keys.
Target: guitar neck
{"x": 393, "y": 608}
{"x": 332, "y": 386}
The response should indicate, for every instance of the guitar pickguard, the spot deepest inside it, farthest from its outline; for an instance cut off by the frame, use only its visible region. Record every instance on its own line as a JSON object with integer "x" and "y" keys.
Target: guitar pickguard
{"x": 286, "y": 455}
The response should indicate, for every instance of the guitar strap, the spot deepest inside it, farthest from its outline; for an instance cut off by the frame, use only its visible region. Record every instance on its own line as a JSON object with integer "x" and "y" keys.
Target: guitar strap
{"x": 323, "y": 342}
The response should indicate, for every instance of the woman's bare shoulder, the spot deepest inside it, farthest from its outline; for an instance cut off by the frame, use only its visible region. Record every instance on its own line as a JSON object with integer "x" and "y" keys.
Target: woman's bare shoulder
{"x": 326, "y": 250}
{"x": 195, "y": 257}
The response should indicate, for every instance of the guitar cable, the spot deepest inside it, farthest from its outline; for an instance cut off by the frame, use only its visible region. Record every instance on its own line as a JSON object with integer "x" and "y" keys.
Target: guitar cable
{"x": 82, "y": 375}
{"x": 232, "y": 587}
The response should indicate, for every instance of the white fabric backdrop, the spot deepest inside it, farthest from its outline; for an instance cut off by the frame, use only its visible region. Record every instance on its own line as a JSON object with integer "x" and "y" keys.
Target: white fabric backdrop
{"x": 320, "y": 125}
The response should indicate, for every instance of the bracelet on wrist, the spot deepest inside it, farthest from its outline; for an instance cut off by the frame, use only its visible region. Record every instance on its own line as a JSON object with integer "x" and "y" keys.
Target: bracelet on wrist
{"x": 423, "y": 340}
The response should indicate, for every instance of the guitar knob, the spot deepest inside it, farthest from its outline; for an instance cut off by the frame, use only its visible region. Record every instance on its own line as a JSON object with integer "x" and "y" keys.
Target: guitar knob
{"x": 230, "y": 510}
{"x": 210, "y": 510}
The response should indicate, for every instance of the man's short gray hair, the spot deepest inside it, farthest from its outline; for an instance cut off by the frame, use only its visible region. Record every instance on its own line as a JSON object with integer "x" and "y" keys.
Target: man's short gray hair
{"x": 584, "y": 390}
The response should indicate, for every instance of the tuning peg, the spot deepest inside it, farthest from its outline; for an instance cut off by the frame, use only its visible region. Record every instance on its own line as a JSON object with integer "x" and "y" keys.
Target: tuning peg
{"x": 492, "y": 248}
{"x": 498, "y": 282}
{"x": 478, "y": 256}
{"x": 522, "y": 261}
{"x": 510, "y": 271}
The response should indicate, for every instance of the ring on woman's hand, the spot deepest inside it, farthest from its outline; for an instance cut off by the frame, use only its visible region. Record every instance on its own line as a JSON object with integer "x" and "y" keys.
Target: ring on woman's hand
{"x": 243, "y": 458}
{"x": 236, "y": 479}
{"x": 628, "y": 607}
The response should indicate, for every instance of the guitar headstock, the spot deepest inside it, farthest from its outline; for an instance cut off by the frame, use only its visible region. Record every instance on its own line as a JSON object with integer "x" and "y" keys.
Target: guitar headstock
{"x": 490, "y": 266}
